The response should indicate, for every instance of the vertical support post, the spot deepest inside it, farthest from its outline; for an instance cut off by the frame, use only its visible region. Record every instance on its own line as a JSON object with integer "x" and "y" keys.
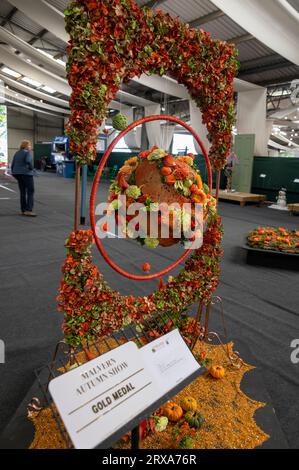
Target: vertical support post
{"x": 77, "y": 197}
{"x": 218, "y": 174}
{"x": 35, "y": 128}
{"x": 83, "y": 195}
{"x": 135, "y": 438}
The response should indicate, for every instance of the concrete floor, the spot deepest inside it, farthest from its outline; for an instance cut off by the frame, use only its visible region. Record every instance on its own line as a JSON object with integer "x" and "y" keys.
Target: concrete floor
{"x": 261, "y": 304}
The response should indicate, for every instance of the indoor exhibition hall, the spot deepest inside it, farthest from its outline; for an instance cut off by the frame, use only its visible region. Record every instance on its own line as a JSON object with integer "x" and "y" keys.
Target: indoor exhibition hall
{"x": 149, "y": 230}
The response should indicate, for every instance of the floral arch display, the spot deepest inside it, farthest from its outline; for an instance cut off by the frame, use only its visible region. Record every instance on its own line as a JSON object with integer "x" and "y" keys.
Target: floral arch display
{"x": 112, "y": 41}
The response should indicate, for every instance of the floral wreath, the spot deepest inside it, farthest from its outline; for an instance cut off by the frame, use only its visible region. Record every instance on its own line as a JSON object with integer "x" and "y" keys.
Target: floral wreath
{"x": 92, "y": 309}
{"x": 103, "y": 53}
{"x": 178, "y": 174}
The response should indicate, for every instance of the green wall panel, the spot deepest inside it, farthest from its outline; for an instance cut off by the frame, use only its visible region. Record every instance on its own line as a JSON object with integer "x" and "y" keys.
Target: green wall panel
{"x": 270, "y": 174}
{"x": 242, "y": 176}
{"x": 41, "y": 150}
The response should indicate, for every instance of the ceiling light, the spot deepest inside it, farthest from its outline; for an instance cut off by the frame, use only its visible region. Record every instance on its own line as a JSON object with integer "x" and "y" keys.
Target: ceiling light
{"x": 29, "y": 61}
{"x": 48, "y": 89}
{"x": 11, "y": 72}
{"x": 30, "y": 81}
{"x": 286, "y": 117}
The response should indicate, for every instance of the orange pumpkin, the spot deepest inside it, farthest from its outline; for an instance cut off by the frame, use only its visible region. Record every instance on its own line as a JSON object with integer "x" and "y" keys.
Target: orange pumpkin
{"x": 189, "y": 404}
{"x": 218, "y": 372}
{"x": 172, "y": 411}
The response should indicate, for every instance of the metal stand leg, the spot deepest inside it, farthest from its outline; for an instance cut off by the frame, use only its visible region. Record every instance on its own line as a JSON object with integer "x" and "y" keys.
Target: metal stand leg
{"x": 77, "y": 197}
{"x": 135, "y": 438}
{"x": 83, "y": 195}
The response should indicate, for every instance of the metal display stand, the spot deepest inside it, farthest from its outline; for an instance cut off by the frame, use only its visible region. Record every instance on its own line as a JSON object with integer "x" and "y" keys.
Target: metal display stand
{"x": 66, "y": 357}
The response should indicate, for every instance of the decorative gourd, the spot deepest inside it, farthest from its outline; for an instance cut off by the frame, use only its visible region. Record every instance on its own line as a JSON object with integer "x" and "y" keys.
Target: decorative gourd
{"x": 186, "y": 443}
{"x": 120, "y": 122}
{"x": 189, "y": 404}
{"x": 194, "y": 419}
{"x": 173, "y": 411}
{"x": 218, "y": 372}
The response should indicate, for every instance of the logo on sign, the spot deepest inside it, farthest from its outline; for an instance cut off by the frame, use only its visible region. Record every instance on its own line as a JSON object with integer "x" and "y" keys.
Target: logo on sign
{"x": 295, "y": 353}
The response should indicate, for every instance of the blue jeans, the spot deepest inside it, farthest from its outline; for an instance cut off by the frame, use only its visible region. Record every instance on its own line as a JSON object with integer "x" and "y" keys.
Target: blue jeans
{"x": 26, "y": 187}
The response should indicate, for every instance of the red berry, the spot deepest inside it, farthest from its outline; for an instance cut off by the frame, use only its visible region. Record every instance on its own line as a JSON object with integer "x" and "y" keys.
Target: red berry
{"x": 146, "y": 267}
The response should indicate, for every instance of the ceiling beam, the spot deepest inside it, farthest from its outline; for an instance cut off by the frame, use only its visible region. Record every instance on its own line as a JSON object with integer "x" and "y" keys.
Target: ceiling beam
{"x": 31, "y": 52}
{"x": 39, "y": 94}
{"x": 15, "y": 102}
{"x": 243, "y": 38}
{"x": 45, "y": 15}
{"x": 33, "y": 102}
{"x": 8, "y": 17}
{"x": 207, "y": 18}
{"x": 33, "y": 71}
{"x": 275, "y": 27}
{"x": 12, "y": 23}
{"x": 40, "y": 35}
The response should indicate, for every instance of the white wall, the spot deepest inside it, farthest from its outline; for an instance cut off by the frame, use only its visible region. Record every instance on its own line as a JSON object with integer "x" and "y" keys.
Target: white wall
{"x": 251, "y": 118}
{"x": 21, "y": 126}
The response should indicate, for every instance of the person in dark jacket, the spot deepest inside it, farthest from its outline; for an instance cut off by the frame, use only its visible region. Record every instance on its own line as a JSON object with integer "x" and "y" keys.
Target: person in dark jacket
{"x": 22, "y": 170}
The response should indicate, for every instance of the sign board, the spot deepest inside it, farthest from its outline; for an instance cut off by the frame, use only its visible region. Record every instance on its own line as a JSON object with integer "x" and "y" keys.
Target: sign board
{"x": 100, "y": 398}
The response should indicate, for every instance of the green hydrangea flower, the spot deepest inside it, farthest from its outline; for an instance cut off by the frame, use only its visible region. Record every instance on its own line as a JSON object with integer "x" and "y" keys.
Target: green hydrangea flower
{"x": 114, "y": 188}
{"x": 151, "y": 242}
{"x": 188, "y": 183}
{"x": 161, "y": 423}
{"x": 133, "y": 191}
{"x": 115, "y": 205}
{"x": 157, "y": 154}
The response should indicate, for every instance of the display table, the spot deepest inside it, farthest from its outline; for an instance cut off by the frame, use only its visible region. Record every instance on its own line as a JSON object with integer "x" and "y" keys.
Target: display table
{"x": 294, "y": 208}
{"x": 272, "y": 259}
{"x": 240, "y": 197}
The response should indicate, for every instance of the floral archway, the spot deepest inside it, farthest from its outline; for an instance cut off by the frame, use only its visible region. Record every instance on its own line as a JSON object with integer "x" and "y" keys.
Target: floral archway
{"x": 112, "y": 41}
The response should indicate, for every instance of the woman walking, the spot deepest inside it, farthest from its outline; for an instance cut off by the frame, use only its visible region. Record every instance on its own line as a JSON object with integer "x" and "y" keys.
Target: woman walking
{"x": 22, "y": 170}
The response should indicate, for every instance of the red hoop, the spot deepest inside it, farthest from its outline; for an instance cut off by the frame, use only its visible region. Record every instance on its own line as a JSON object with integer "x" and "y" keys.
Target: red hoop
{"x": 96, "y": 184}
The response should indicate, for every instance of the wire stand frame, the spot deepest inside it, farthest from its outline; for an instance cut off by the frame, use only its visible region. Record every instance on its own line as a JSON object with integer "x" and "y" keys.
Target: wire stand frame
{"x": 66, "y": 358}
{"x": 202, "y": 320}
